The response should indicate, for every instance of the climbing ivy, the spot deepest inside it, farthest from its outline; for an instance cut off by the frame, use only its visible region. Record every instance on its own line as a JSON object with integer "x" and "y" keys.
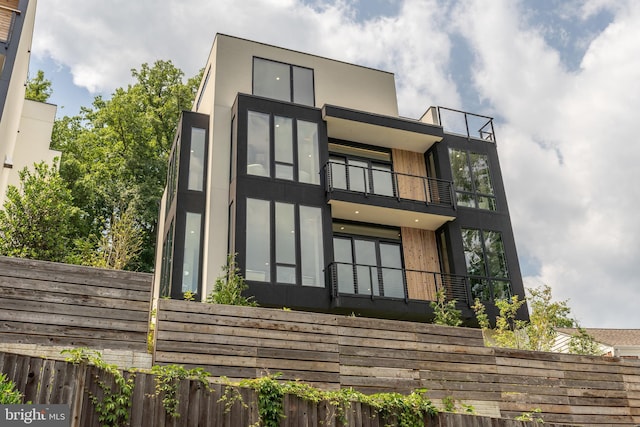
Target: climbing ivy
{"x": 168, "y": 379}
{"x": 393, "y": 408}
{"x": 114, "y": 408}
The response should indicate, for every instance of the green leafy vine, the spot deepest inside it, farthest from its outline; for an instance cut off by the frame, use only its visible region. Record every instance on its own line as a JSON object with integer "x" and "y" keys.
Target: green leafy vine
{"x": 168, "y": 379}
{"x": 114, "y": 408}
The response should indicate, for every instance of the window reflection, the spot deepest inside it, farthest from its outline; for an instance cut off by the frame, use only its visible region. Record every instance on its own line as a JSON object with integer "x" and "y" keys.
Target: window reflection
{"x": 258, "y": 244}
{"x": 191, "y": 266}
{"x": 486, "y": 261}
{"x": 258, "y": 144}
{"x": 196, "y": 160}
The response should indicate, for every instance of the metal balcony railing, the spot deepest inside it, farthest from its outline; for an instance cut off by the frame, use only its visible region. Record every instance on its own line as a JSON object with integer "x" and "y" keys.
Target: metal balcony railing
{"x": 382, "y": 182}
{"x": 468, "y": 124}
{"x": 389, "y": 282}
{"x": 7, "y": 20}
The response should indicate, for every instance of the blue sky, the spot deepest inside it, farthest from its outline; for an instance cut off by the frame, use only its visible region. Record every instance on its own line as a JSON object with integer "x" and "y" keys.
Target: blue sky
{"x": 561, "y": 78}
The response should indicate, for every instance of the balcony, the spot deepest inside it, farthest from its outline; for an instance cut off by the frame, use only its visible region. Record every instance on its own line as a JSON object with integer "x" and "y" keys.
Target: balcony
{"x": 384, "y": 282}
{"x": 382, "y": 196}
{"x": 472, "y": 126}
{"x": 7, "y": 18}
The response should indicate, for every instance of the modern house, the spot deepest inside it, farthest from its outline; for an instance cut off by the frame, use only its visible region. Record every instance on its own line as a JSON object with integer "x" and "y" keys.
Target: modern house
{"x": 25, "y": 126}
{"x": 332, "y": 202}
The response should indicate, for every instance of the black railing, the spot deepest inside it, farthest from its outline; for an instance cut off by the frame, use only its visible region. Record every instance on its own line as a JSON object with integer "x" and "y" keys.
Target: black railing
{"x": 467, "y": 124}
{"x": 389, "y": 282}
{"x": 381, "y": 182}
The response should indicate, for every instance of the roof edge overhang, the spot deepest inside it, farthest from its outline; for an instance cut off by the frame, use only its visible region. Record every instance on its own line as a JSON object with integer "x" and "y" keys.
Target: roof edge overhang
{"x": 380, "y": 130}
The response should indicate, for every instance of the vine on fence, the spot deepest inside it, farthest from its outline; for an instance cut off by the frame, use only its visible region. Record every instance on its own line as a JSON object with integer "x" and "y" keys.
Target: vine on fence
{"x": 168, "y": 379}
{"x": 114, "y": 408}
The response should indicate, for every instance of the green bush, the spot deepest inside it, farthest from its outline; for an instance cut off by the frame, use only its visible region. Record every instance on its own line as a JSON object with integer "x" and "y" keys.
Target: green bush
{"x": 8, "y": 393}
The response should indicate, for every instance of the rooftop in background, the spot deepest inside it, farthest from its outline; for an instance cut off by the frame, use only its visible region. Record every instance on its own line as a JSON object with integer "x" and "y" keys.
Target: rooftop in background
{"x": 611, "y": 337}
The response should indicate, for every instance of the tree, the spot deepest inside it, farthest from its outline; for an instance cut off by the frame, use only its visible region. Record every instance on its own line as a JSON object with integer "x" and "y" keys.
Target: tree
{"x": 546, "y": 316}
{"x": 445, "y": 312}
{"x": 39, "y": 220}
{"x": 583, "y": 343}
{"x": 538, "y": 333}
{"x": 116, "y": 152}
{"x": 38, "y": 88}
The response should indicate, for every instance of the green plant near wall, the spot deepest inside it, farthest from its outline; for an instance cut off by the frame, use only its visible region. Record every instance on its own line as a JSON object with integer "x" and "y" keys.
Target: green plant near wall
{"x": 8, "y": 393}
{"x": 445, "y": 312}
{"x": 114, "y": 408}
{"x": 393, "y": 408}
{"x": 168, "y": 379}
{"x": 229, "y": 286}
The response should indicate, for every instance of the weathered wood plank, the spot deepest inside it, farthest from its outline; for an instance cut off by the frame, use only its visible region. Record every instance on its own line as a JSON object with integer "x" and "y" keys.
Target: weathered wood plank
{"x": 78, "y": 300}
{"x": 71, "y": 273}
{"x": 74, "y": 289}
{"x": 175, "y": 338}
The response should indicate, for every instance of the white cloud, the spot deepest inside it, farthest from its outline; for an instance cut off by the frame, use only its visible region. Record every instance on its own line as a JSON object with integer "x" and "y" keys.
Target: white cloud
{"x": 576, "y": 216}
{"x": 567, "y": 138}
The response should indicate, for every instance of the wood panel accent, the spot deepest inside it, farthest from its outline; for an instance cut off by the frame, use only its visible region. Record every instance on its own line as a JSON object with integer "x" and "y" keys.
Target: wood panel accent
{"x": 420, "y": 251}
{"x": 45, "y": 303}
{"x": 7, "y": 10}
{"x": 410, "y": 163}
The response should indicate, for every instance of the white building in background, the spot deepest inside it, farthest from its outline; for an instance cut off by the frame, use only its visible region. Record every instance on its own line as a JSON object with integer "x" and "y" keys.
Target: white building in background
{"x": 612, "y": 342}
{"x": 25, "y": 126}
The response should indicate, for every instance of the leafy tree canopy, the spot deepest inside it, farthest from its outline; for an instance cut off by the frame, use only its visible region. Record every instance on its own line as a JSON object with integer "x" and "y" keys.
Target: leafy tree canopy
{"x": 39, "y": 220}
{"x": 115, "y": 155}
{"x": 38, "y": 88}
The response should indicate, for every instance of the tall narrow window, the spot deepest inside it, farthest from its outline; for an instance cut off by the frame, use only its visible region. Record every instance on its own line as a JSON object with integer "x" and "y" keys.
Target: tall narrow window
{"x": 308, "y": 163}
{"x": 258, "y": 144}
{"x": 311, "y": 247}
{"x": 284, "y": 82}
{"x": 191, "y": 267}
{"x": 258, "y": 244}
{"x": 196, "y": 160}
{"x": 285, "y": 243}
{"x": 283, "y": 142}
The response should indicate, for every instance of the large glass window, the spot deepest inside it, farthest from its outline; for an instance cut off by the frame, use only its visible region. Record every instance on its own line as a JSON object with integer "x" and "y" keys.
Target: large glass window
{"x": 369, "y": 263}
{"x": 282, "y": 81}
{"x": 472, "y": 179}
{"x": 486, "y": 264}
{"x": 191, "y": 262}
{"x": 294, "y": 226}
{"x": 299, "y": 161}
{"x": 196, "y": 160}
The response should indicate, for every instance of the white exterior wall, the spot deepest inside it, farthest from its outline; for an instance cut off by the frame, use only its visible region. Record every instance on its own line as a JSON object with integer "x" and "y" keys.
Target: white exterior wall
{"x": 10, "y": 121}
{"x": 231, "y": 61}
{"x": 34, "y": 138}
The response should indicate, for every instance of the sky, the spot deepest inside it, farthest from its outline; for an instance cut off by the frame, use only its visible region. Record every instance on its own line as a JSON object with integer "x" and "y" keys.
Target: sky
{"x": 560, "y": 77}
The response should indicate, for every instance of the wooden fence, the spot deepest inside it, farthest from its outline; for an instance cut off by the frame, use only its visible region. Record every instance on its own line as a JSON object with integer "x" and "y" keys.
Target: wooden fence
{"x": 51, "y": 304}
{"x": 374, "y": 355}
{"x": 45, "y": 381}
